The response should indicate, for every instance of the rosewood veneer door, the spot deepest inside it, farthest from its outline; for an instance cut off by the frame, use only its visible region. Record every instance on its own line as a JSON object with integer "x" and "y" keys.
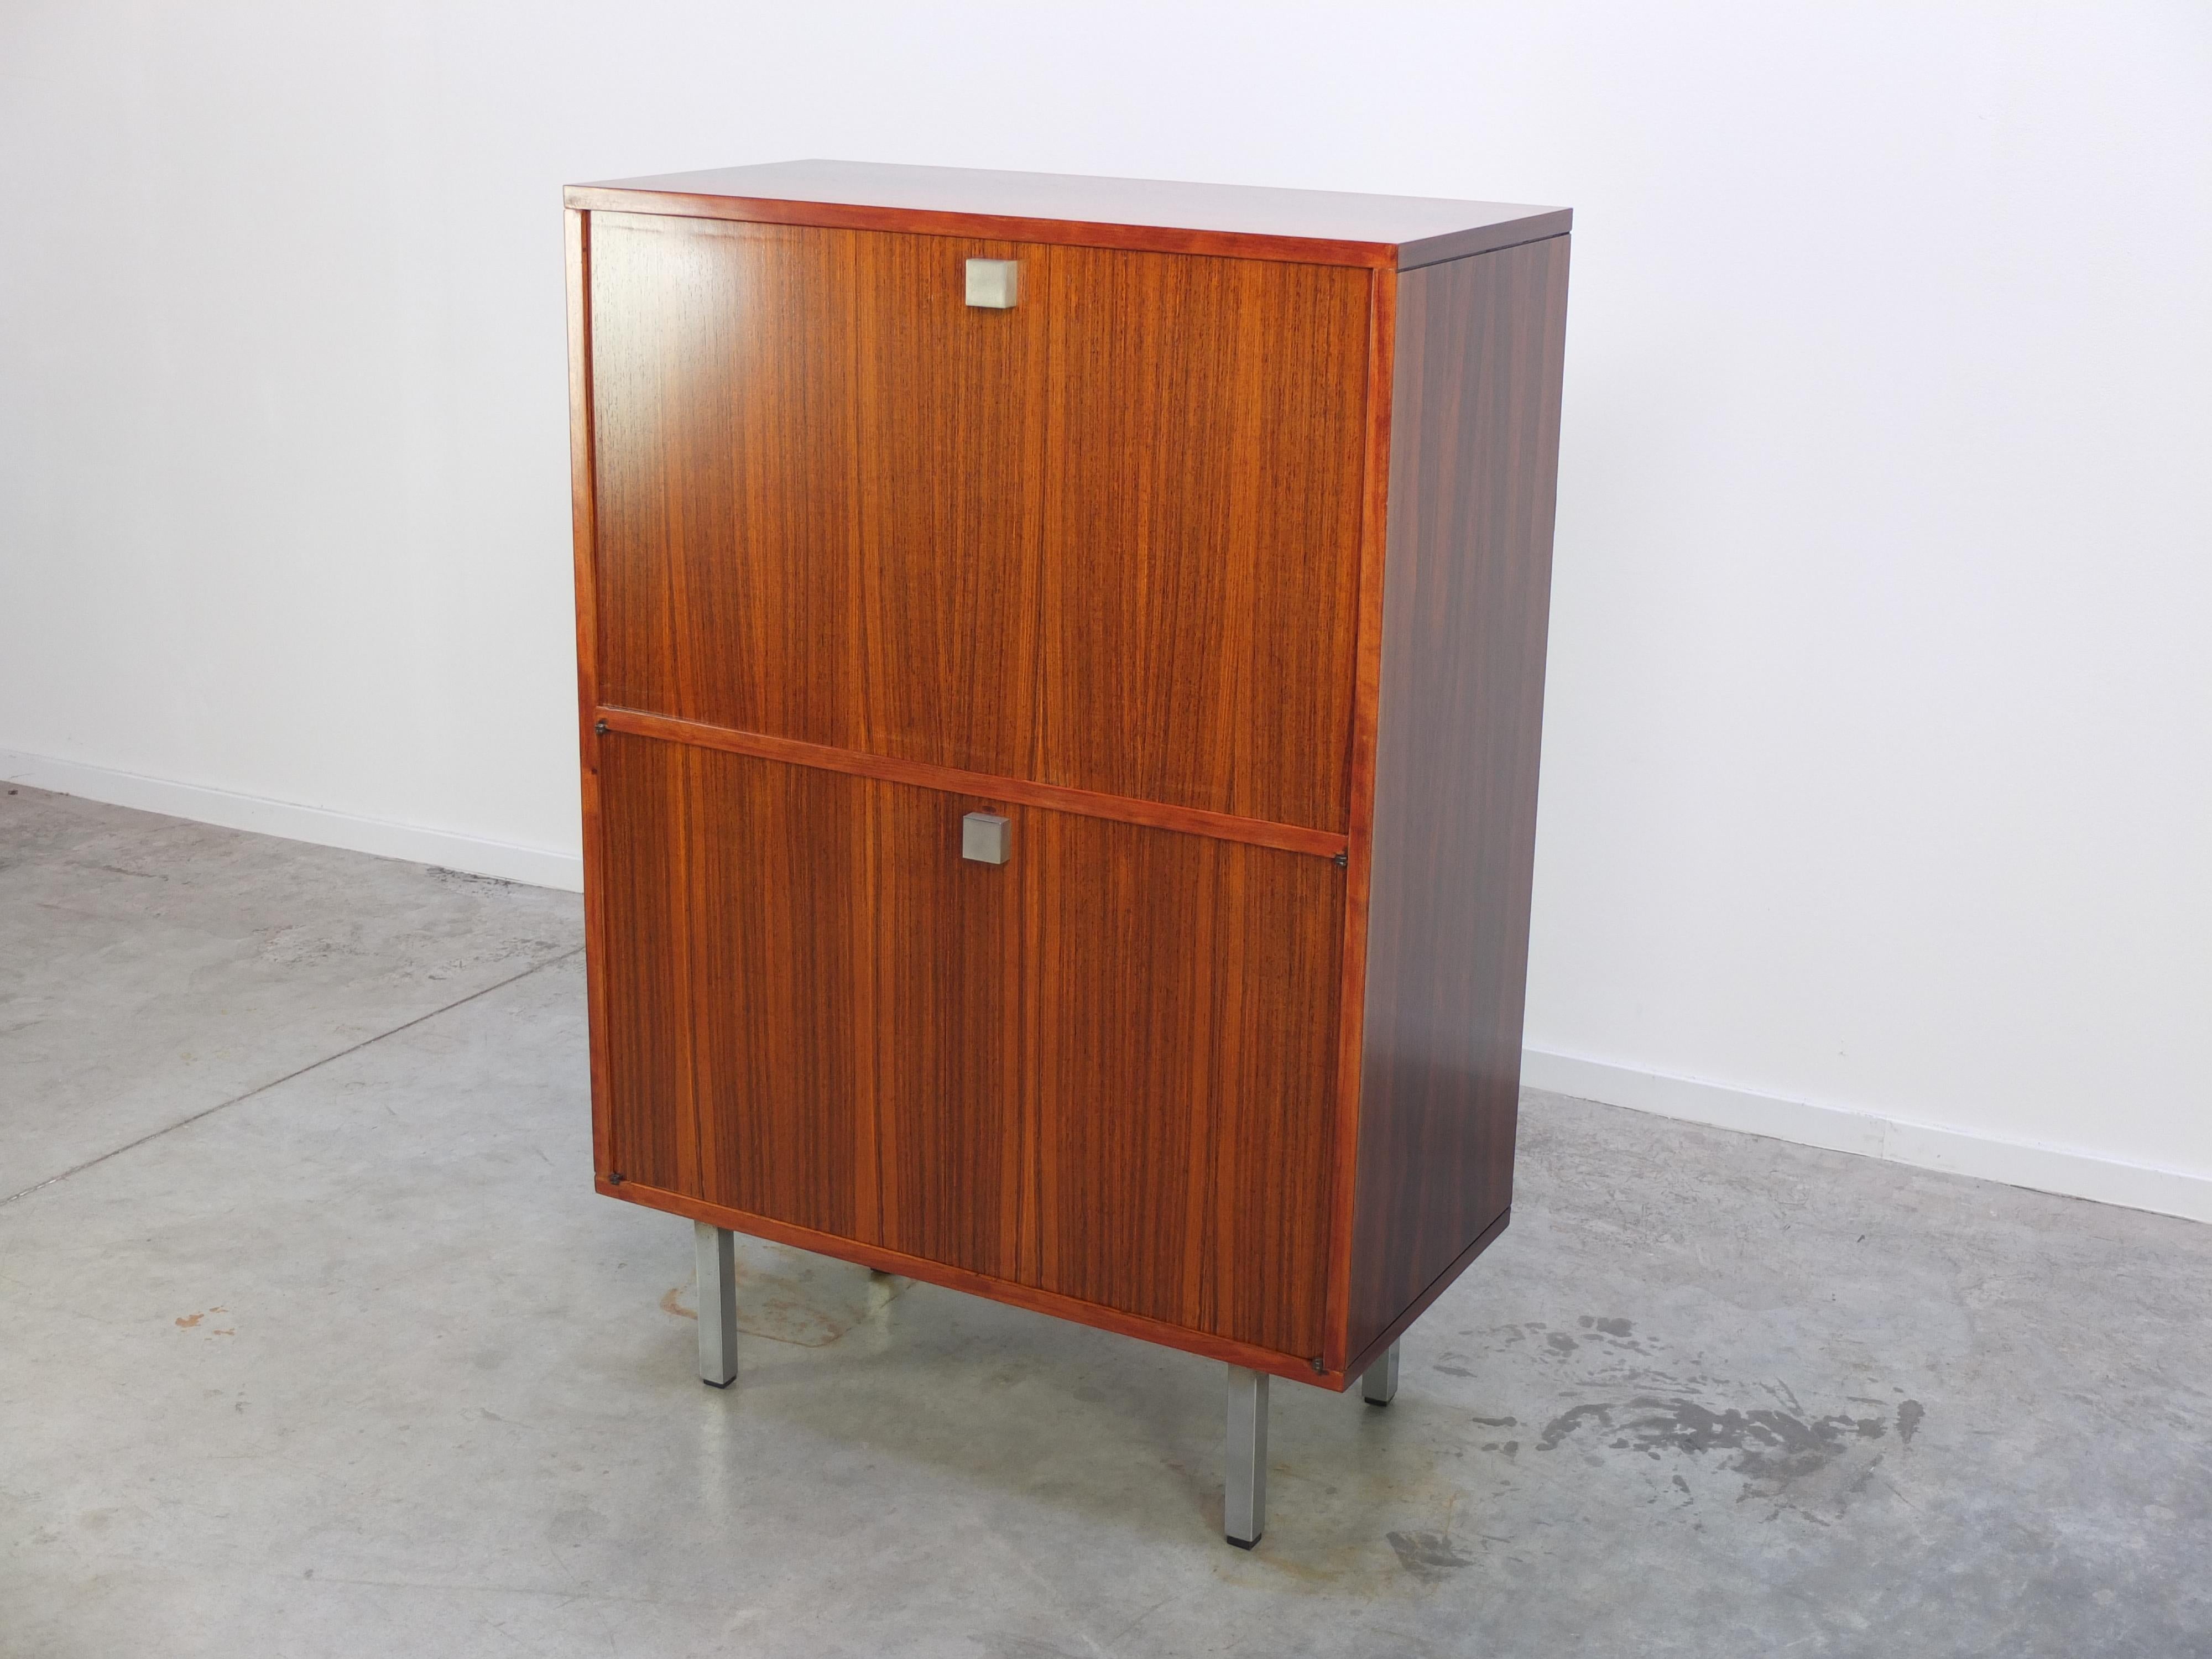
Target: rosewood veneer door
{"x": 818, "y": 482}
{"x": 809, "y": 1002}
{"x": 1201, "y": 528}
{"x": 1183, "y": 998}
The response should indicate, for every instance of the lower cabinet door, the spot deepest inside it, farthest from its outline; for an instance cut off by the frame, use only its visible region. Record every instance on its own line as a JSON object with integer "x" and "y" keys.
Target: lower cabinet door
{"x": 1184, "y": 995}
{"x": 808, "y": 1001}
{"x": 1105, "y": 1067}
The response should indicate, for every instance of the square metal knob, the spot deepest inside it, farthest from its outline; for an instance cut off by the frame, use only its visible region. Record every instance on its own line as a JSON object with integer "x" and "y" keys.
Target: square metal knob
{"x": 986, "y": 838}
{"x": 994, "y": 284}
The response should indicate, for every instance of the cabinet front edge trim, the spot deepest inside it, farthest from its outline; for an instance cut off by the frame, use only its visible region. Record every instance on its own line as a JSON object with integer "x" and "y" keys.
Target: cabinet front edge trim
{"x": 1087, "y": 803}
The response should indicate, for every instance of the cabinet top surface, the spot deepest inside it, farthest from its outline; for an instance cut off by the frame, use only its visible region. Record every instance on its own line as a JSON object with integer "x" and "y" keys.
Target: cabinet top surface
{"x": 1323, "y": 226}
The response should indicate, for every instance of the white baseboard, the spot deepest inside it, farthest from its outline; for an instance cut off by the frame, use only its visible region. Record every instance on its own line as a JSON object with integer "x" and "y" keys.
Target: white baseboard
{"x": 2071, "y": 1171}
{"x": 538, "y": 866}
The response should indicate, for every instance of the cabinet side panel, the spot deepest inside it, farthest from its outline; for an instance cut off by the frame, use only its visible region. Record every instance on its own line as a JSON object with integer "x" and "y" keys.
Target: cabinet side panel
{"x": 1473, "y": 465}
{"x": 1360, "y": 840}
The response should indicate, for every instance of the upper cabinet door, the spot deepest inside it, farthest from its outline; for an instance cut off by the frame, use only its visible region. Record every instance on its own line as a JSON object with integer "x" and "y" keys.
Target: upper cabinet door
{"x": 1105, "y": 538}
{"x": 1201, "y": 531}
{"x": 817, "y": 494}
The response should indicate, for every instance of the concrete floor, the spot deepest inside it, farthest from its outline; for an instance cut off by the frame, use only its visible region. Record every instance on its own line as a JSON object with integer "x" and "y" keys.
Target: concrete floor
{"x": 352, "y": 1361}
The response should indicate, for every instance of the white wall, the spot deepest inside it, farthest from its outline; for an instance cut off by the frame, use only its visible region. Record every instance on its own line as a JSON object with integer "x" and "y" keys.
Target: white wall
{"x": 1878, "y": 770}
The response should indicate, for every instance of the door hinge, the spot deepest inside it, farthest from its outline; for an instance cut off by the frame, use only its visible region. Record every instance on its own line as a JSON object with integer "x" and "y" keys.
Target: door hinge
{"x": 601, "y": 728}
{"x": 1342, "y": 860}
{"x": 1316, "y": 1362}
{"x": 614, "y": 1177}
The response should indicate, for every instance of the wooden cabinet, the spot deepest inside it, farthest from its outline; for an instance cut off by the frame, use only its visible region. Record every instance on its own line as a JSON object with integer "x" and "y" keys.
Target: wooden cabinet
{"x": 1217, "y": 565}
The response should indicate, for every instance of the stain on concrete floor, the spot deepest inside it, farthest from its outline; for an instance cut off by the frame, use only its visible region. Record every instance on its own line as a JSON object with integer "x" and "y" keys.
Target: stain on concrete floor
{"x": 790, "y": 1296}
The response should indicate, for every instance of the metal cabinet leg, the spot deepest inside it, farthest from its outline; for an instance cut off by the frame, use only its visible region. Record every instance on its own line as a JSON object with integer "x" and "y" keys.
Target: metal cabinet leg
{"x": 1380, "y": 1386}
{"x": 718, "y": 1304}
{"x": 1244, "y": 1492}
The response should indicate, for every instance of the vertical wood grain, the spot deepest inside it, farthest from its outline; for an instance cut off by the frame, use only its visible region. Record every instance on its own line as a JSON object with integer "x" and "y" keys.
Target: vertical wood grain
{"x": 811, "y": 1001}
{"x": 1107, "y": 539}
{"x": 817, "y": 487}
{"x": 646, "y": 1112}
{"x": 1106, "y": 1069}
{"x": 783, "y": 1019}
{"x": 1185, "y": 997}
{"x": 1201, "y": 529}
{"x": 952, "y": 1135}
{"x": 1473, "y": 462}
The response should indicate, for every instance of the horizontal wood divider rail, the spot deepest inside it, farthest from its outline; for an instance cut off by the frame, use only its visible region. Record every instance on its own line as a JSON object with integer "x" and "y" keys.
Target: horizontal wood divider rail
{"x": 1085, "y": 803}
{"x": 1094, "y": 1314}
{"x": 988, "y": 226}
